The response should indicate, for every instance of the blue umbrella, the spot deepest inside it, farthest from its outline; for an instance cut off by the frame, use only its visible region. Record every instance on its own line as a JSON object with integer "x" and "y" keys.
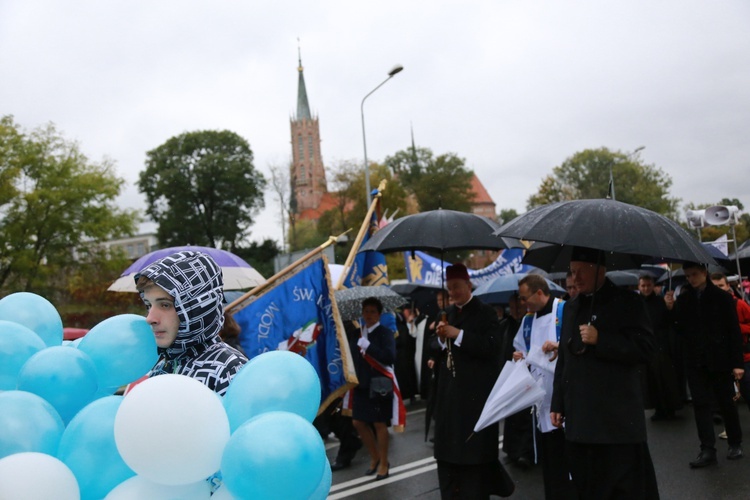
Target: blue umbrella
{"x": 502, "y": 288}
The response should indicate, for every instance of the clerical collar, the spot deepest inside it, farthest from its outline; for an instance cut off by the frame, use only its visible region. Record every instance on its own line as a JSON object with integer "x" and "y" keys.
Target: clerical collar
{"x": 461, "y": 306}
{"x": 547, "y": 307}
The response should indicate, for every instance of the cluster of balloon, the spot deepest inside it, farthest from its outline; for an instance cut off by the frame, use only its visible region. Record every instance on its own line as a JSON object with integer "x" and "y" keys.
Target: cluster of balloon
{"x": 170, "y": 437}
{"x": 45, "y": 386}
{"x": 271, "y": 404}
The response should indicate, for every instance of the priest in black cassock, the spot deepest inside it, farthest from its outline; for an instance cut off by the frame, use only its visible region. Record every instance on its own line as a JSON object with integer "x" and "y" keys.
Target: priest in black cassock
{"x": 606, "y": 339}
{"x": 469, "y": 363}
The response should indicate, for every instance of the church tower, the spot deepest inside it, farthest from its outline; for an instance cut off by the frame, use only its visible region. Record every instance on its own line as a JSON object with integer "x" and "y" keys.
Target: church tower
{"x": 308, "y": 175}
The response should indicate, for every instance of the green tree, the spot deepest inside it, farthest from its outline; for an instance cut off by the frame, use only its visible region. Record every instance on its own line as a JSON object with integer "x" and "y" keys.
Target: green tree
{"x": 507, "y": 215}
{"x": 202, "y": 189}
{"x": 260, "y": 255}
{"x": 55, "y": 207}
{"x": 436, "y": 182}
{"x": 585, "y": 175}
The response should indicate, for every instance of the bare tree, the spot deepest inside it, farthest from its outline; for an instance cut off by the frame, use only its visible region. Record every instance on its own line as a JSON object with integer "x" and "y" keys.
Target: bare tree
{"x": 281, "y": 188}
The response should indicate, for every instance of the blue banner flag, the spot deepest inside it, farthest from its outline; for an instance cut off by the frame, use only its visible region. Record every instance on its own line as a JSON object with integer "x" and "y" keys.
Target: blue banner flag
{"x": 298, "y": 313}
{"x": 427, "y": 270}
{"x": 368, "y": 268}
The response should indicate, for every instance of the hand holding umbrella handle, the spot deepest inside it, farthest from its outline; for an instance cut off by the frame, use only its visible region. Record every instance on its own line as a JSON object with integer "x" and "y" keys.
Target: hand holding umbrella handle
{"x": 441, "y": 334}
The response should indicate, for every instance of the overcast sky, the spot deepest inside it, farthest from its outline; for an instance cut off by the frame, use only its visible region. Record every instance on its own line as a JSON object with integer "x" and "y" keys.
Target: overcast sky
{"x": 513, "y": 86}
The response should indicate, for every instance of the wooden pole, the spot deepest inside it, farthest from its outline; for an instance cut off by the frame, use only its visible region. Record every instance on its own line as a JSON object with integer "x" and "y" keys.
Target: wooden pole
{"x": 260, "y": 288}
{"x": 360, "y": 236}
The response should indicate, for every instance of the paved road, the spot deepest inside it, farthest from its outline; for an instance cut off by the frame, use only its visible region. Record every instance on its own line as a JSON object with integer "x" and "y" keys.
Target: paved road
{"x": 673, "y": 444}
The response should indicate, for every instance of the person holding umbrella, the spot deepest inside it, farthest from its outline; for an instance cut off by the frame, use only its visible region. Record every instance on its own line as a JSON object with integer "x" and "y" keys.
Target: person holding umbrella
{"x": 605, "y": 338}
{"x": 469, "y": 364}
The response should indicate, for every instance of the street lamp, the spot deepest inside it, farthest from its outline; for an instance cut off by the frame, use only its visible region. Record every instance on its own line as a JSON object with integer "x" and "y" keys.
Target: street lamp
{"x": 612, "y": 179}
{"x": 393, "y": 72}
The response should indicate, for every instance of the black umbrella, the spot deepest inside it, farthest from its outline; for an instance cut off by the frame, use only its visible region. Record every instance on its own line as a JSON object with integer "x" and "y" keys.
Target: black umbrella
{"x": 625, "y": 232}
{"x": 624, "y": 278}
{"x": 439, "y": 231}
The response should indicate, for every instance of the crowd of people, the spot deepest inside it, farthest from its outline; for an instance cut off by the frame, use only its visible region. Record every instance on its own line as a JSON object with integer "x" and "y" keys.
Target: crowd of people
{"x": 611, "y": 354}
{"x": 602, "y": 353}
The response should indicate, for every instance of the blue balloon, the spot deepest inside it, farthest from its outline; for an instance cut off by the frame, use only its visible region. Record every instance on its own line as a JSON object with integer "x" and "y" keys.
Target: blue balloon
{"x": 88, "y": 448}
{"x": 122, "y": 347}
{"x": 273, "y": 381}
{"x": 275, "y": 455}
{"x": 28, "y": 423}
{"x": 17, "y": 345}
{"x": 321, "y": 492}
{"x": 36, "y": 313}
{"x": 65, "y": 377}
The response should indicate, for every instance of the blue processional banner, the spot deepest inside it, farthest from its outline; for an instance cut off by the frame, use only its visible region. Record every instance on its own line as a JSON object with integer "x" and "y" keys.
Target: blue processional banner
{"x": 427, "y": 270}
{"x": 298, "y": 313}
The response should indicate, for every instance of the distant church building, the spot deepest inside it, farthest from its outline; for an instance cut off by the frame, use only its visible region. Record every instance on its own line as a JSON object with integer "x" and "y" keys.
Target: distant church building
{"x": 310, "y": 197}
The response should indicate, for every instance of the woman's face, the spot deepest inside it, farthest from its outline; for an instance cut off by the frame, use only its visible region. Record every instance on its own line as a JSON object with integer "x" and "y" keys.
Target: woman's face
{"x": 370, "y": 315}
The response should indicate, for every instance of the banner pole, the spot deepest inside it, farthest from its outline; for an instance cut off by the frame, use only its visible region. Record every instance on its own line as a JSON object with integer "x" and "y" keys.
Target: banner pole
{"x": 360, "y": 236}
{"x": 255, "y": 291}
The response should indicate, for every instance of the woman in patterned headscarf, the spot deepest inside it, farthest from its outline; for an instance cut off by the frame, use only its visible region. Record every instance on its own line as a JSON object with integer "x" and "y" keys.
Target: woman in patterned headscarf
{"x": 184, "y": 293}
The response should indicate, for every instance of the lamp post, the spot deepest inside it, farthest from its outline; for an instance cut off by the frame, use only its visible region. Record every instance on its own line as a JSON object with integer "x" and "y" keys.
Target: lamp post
{"x": 612, "y": 179}
{"x": 393, "y": 72}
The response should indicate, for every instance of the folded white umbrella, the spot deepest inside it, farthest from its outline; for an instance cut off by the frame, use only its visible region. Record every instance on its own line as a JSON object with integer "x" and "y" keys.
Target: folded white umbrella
{"x": 514, "y": 390}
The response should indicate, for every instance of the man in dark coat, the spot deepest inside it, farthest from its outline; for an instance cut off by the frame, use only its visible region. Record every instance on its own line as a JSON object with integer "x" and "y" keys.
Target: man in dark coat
{"x": 706, "y": 320}
{"x": 469, "y": 364}
{"x": 606, "y": 336}
{"x": 661, "y": 377}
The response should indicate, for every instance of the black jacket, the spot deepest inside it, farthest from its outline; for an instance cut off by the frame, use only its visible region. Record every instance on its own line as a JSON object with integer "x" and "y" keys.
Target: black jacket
{"x": 460, "y": 399}
{"x": 599, "y": 391}
{"x": 382, "y": 348}
{"x": 709, "y": 328}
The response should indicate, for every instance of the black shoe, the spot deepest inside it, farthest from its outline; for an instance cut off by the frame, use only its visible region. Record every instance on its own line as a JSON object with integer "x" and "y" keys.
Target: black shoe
{"x": 380, "y": 477}
{"x": 370, "y": 472}
{"x": 336, "y": 465}
{"x": 735, "y": 453}
{"x": 705, "y": 458}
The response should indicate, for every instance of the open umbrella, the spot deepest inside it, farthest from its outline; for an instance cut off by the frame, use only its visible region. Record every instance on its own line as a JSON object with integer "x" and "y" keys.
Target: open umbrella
{"x": 624, "y": 278}
{"x": 238, "y": 274}
{"x": 439, "y": 231}
{"x": 349, "y": 300}
{"x": 628, "y": 234}
{"x": 514, "y": 390}
{"x": 502, "y": 288}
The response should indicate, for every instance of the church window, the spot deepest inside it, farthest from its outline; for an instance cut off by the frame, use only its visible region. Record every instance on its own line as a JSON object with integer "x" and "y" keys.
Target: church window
{"x": 302, "y": 171}
{"x": 310, "y": 147}
{"x": 300, "y": 147}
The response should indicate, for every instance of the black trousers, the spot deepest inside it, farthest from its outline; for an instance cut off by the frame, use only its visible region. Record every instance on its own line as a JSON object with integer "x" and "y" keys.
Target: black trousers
{"x": 612, "y": 471}
{"x": 473, "y": 482}
{"x": 706, "y": 387}
{"x": 555, "y": 470}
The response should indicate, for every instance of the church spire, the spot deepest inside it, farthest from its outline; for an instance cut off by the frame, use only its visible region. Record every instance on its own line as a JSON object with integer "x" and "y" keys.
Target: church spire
{"x": 303, "y": 107}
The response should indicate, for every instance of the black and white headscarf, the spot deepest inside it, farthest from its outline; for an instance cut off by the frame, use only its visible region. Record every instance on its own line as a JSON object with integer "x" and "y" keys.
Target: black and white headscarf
{"x": 195, "y": 282}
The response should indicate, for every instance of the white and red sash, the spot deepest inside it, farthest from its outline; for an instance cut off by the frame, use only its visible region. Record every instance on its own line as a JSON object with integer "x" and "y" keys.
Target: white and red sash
{"x": 398, "y": 413}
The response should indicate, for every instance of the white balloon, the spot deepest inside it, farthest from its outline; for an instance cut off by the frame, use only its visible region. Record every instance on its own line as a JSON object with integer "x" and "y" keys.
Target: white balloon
{"x": 140, "y": 488}
{"x": 172, "y": 430}
{"x": 37, "y": 476}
